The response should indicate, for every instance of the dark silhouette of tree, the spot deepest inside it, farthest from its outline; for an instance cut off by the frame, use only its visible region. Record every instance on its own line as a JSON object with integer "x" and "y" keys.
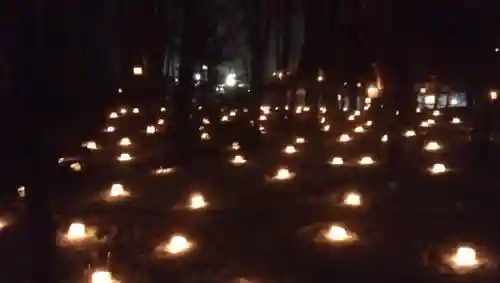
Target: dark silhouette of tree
{"x": 314, "y": 49}
{"x": 191, "y": 40}
{"x": 259, "y": 28}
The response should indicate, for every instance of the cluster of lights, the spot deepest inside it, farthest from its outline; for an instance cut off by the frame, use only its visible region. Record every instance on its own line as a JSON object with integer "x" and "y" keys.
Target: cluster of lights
{"x": 77, "y": 233}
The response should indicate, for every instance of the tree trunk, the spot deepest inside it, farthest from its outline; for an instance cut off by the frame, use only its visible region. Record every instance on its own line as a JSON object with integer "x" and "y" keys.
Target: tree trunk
{"x": 260, "y": 30}
{"x": 190, "y": 42}
{"x": 395, "y": 64}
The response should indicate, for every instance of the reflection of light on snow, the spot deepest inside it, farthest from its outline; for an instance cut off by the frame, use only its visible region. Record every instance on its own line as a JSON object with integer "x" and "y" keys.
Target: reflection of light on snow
{"x": 231, "y": 80}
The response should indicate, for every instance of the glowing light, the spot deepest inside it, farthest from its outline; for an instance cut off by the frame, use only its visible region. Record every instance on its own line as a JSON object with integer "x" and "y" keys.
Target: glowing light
{"x": 178, "y": 244}
{"x": 109, "y": 129}
{"x": 456, "y": 120}
{"x": 430, "y": 99}
{"x": 372, "y": 92}
{"x": 325, "y": 128}
{"x": 320, "y": 78}
{"x": 118, "y": 191}
{"x": 231, "y": 80}
{"x": 290, "y": 149}
{"x": 344, "y": 138}
{"x": 432, "y": 146}
{"x": 205, "y": 136}
{"x": 436, "y": 113}
{"x": 493, "y": 95}
{"x": 151, "y": 129}
{"x": 235, "y": 146}
{"x": 3, "y": 224}
{"x": 164, "y": 171}
{"x": 197, "y": 201}
{"x": 238, "y": 160}
{"x": 352, "y": 199}
{"x": 125, "y": 157}
{"x": 21, "y": 191}
{"x": 369, "y": 123}
{"x": 76, "y": 166}
{"x": 359, "y": 129}
{"x": 464, "y": 258}
{"x": 283, "y": 174}
{"x": 138, "y": 71}
{"x": 135, "y": 110}
{"x": 424, "y": 124}
{"x": 113, "y": 115}
{"x": 339, "y": 234}
{"x": 262, "y": 118}
{"x": 438, "y": 168}
{"x": 76, "y": 232}
{"x": 366, "y": 160}
{"x": 423, "y": 90}
{"x": 384, "y": 138}
{"x": 336, "y": 161}
{"x": 160, "y": 122}
{"x": 102, "y": 276}
{"x": 300, "y": 140}
{"x": 410, "y": 133}
{"x": 123, "y": 111}
{"x": 125, "y": 142}
{"x": 90, "y": 145}
{"x": 351, "y": 118}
